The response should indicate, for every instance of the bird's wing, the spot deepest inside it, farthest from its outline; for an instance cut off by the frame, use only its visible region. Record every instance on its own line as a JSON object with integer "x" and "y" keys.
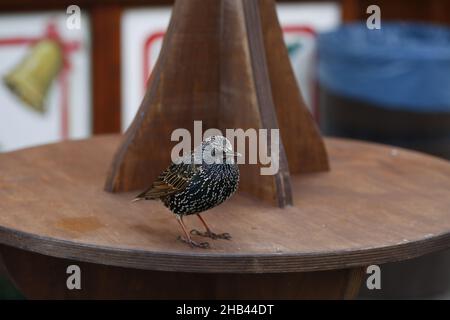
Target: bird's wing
{"x": 175, "y": 178}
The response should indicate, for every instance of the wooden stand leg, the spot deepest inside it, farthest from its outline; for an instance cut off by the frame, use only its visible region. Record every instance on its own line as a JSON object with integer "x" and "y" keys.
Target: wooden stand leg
{"x": 42, "y": 277}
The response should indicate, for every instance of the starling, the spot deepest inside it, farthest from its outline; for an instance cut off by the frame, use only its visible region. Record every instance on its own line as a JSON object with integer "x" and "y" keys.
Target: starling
{"x": 197, "y": 182}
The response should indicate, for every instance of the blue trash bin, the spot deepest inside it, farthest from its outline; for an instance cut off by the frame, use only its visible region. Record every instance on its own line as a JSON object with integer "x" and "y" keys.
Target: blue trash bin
{"x": 390, "y": 85}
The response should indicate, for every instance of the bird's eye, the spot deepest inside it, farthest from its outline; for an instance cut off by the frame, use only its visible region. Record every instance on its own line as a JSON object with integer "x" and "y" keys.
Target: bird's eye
{"x": 213, "y": 153}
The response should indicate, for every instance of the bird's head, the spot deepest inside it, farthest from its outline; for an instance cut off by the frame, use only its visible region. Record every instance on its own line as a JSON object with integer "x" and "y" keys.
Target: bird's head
{"x": 218, "y": 149}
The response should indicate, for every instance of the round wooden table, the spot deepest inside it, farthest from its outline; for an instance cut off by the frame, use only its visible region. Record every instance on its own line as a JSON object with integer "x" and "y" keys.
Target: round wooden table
{"x": 377, "y": 204}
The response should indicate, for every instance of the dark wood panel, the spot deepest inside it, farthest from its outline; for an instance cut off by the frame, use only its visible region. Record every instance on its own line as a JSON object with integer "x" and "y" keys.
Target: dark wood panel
{"x": 106, "y": 69}
{"x": 435, "y": 11}
{"x": 43, "y": 277}
{"x": 33, "y": 5}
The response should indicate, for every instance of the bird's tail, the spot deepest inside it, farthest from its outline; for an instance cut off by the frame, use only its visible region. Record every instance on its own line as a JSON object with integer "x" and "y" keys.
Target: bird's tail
{"x": 149, "y": 194}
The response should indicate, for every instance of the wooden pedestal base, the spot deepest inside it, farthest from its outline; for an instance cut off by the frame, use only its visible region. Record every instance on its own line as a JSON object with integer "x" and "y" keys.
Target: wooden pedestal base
{"x": 43, "y": 277}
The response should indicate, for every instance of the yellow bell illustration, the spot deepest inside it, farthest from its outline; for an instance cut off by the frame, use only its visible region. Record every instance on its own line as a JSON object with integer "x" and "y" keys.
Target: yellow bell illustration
{"x": 30, "y": 80}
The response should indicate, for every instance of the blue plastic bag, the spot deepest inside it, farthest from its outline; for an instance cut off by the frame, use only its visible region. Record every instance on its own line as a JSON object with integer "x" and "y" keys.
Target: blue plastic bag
{"x": 400, "y": 66}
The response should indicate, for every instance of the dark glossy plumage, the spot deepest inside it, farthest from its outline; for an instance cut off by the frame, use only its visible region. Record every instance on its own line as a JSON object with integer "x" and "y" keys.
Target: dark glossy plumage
{"x": 188, "y": 188}
{"x": 196, "y": 183}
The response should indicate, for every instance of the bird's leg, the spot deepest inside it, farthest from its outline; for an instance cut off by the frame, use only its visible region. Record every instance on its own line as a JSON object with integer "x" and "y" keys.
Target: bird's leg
{"x": 188, "y": 240}
{"x": 208, "y": 232}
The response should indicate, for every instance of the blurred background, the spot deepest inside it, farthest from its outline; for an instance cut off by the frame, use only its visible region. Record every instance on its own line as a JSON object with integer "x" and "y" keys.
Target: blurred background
{"x": 390, "y": 85}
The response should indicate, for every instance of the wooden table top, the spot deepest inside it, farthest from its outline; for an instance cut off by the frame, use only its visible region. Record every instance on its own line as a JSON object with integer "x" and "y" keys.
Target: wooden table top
{"x": 377, "y": 204}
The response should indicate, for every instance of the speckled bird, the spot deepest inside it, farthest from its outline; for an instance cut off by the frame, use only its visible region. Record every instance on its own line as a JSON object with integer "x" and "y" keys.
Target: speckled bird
{"x": 192, "y": 184}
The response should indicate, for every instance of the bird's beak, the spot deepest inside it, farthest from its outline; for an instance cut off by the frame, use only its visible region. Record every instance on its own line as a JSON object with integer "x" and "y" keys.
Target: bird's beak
{"x": 233, "y": 154}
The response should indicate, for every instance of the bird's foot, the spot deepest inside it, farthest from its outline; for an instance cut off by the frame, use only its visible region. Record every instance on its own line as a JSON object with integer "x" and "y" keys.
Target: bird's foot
{"x": 212, "y": 235}
{"x": 193, "y": 244}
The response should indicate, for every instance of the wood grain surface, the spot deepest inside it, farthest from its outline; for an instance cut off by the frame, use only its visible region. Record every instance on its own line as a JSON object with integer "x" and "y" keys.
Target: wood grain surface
{"x": 377, "y": 204}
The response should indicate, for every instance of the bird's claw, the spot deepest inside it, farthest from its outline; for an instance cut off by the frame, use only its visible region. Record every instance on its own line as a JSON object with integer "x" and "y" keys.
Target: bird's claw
{"x": 212, "y": 235}
{"x": 203, "y": 245}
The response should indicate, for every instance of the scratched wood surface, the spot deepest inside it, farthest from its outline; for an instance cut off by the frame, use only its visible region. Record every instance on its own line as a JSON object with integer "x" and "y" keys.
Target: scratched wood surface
{"x": 377, "y": 204}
